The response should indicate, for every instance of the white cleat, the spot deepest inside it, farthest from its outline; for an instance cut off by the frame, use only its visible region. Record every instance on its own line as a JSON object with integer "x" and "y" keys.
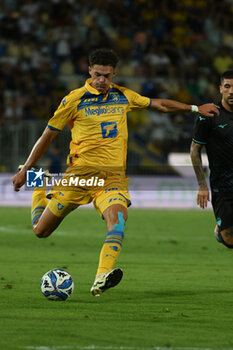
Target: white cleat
{"x": 105, "y": 281}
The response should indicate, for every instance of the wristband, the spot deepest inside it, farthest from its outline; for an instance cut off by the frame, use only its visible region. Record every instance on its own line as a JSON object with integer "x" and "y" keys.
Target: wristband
{"x": 194, "y": 109}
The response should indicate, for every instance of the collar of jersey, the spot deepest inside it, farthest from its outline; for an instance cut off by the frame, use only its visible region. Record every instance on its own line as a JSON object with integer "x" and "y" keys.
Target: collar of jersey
{"x": 93, "y": 90}
{"x": 224, "y": 109}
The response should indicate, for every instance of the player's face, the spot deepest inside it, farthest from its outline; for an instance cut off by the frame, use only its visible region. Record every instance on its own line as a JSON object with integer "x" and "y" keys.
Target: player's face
{"x": 101, "y": 77}
{"x": 226, "y": 89}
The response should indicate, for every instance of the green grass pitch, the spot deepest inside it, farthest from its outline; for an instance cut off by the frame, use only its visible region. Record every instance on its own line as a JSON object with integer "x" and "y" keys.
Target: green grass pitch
{"x": 176, "y": 292}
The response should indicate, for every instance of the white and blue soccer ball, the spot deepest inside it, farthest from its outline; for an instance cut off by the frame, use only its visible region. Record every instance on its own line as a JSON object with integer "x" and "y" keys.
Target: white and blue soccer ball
{"x": 57, "y": 284}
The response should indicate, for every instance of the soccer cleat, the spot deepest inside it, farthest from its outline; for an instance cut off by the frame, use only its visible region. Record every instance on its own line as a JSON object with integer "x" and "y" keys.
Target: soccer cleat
{"x": 46, "y": 172}
{"x": 105, "y": 281}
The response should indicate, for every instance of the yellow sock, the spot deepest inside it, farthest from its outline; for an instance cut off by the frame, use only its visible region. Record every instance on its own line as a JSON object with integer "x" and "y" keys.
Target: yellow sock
{"x": 110, "y": 251}
{"x": 39, "y": 203}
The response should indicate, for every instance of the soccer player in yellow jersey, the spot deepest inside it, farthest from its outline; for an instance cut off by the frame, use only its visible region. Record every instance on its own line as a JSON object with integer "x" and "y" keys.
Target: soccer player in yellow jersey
{"x": 97, "y": 116}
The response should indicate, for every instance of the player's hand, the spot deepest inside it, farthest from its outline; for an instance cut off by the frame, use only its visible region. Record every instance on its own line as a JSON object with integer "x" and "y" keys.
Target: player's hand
{"x": 208, "y": 110}
{"x": 19, "y": 179}
{"x": 203, "y": 196}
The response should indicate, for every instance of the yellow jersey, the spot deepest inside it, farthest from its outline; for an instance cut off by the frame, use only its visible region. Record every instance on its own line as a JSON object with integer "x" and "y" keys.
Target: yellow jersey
{"x": 98, "y": 124}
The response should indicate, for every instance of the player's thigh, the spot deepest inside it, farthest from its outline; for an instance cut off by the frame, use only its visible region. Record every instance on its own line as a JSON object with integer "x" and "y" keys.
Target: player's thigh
{"x": 223, "y": 210}
{"x": 112, "y": 206}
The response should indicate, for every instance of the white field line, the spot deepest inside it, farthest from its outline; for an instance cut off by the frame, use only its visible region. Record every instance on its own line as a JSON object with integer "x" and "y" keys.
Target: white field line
{"x": 98, "y": 347}
{"x": 12, "y": 230}
{"x": 4, "y": 229}
{"x": 28, "y": 230}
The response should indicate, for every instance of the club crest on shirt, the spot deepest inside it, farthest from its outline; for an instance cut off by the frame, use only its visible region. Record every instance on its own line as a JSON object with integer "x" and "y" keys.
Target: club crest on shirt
{"x": 114, "y": 96}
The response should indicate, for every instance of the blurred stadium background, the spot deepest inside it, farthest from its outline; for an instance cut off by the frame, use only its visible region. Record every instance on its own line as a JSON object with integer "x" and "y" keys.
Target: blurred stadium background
{"x": 168, "y": 49}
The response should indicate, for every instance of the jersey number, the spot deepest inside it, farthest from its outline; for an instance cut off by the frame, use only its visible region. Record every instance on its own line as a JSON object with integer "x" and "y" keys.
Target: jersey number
{"x": 109, "y": 130}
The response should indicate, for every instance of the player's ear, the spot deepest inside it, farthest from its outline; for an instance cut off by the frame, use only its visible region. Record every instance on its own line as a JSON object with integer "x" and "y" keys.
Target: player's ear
{"x": 90, "y": 69}
{"x": 220, "y": 88}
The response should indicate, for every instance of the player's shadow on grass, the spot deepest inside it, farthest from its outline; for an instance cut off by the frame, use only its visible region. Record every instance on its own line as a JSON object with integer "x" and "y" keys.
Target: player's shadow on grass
{"x": 166, "y": 293}
{"x": 150, "y": 296}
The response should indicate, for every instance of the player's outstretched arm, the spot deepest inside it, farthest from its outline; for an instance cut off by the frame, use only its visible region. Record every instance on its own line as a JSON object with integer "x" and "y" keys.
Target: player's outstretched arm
{"x": 203, "y": 191}
{"x": 172, "y": 106}
{"x": 37, "y": 152}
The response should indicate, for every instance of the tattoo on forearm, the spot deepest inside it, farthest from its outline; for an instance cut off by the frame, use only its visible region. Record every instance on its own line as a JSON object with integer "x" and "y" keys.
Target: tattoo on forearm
{"x": 197, "y": 164}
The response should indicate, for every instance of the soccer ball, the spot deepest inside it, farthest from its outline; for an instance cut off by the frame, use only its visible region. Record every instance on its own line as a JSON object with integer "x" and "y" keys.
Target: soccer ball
{"x": 57, "y": 284}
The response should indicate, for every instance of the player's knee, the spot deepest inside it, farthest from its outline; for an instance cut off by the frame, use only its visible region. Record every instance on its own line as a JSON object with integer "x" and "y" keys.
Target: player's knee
{"x": 40, "y": 232}
{"x": 119, "y": 222}
{"x": 115, "y": 217}
{"x": 227, "y": 237}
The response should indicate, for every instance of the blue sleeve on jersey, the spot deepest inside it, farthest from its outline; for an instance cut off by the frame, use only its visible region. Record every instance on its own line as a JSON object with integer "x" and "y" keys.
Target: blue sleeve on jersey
{"x": 150, "y": 102}
{"x": 52, "y": 128}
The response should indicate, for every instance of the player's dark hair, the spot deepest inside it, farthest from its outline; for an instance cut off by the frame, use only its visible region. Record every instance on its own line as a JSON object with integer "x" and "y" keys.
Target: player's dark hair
{"x": 103, "y": 57}
{"x": 226, "y": 75}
